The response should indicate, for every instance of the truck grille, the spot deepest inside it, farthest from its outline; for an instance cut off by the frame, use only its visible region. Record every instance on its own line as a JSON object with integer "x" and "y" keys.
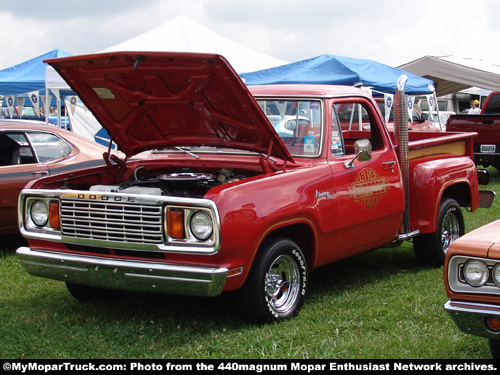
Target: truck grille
{"x": 122, "y": 222}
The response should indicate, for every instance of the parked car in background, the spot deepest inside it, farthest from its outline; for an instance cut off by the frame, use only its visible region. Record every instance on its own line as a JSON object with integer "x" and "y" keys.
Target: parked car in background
{"x": 472, "y": 280}
{"x": 31, "y": 149}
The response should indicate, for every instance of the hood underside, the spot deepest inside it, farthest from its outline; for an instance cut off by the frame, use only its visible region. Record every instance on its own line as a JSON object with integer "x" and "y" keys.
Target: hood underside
{"x": 152, "y": 100}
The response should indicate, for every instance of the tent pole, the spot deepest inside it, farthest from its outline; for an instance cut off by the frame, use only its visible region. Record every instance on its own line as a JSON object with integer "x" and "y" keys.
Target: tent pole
{"x": 437, "y": 111}
{"x": 46, "y": 109}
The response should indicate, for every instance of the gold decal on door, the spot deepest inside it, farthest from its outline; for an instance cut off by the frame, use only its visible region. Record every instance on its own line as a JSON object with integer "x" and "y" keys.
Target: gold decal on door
{"x": 368, "y": 188}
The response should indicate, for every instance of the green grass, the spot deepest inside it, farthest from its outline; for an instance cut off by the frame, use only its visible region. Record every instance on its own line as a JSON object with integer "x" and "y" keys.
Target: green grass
{"x": 378, "y": 305}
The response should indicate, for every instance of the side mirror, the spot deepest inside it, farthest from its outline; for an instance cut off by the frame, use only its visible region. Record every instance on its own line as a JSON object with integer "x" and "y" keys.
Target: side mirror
{"x": 363, "y": 150}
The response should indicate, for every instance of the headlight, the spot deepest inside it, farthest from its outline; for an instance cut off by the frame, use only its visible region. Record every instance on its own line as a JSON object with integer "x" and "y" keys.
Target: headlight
{"x": 476, "y": 273}
{"x": 496, "y": 275}
{"x": 201, "y": 225}
{"x": 39, "y": 213}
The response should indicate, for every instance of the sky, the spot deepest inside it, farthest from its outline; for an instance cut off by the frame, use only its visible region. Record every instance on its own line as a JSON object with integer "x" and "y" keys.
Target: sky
{"x": 393, "y": 32}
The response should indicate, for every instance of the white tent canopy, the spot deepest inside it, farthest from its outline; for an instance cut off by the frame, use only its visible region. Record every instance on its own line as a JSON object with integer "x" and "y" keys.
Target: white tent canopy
{"x": 183, "y": 34}
{"x": 453, "y": 73}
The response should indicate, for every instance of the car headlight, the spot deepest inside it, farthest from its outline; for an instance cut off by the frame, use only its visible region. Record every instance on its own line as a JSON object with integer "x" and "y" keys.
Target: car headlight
{"x": 39, "y": 213}
{"x": 201, "y": 225}
{"x": 476, "y": 273}
{"x": 496, "y": 275}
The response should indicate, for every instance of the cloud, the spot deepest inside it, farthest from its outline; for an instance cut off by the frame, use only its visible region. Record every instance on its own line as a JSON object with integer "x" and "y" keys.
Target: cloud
{"x": 390, "y": 31}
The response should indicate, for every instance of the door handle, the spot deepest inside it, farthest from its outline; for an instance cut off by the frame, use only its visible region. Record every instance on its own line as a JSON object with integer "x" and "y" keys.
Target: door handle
{"x": 41, "y": 173}
{"x": 388, "y": 164}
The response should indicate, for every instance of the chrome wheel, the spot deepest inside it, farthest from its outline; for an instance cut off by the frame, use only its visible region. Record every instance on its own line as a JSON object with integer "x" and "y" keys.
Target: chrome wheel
{"x": 282, "y": 284}
{"x": 277, "y": 284}
{"x": 450, "y": 230}
{"x": 431, "y": 248}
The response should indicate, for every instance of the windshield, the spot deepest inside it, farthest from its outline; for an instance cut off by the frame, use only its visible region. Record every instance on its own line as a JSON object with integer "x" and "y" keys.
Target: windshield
{"x": 297, "y": 122}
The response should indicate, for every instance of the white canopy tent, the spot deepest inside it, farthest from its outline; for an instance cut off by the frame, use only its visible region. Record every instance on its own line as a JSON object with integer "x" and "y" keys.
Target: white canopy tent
{"x": 454, "y": 73}
{"x": 182, "y": 34}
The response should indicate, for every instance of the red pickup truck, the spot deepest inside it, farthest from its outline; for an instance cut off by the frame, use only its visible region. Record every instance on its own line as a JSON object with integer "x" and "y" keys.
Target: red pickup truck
{"x": 487, "y": 127}
{"x": 224, "y": 202}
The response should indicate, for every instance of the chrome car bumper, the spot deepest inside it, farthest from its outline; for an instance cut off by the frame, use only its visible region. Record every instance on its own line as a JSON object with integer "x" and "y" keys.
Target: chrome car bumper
{"x": 124, "y": 274}
{"x": 471, "y": 317}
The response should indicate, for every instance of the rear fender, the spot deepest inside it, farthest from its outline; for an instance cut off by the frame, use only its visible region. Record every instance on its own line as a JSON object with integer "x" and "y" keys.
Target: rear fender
{"x": 436, "y": 179}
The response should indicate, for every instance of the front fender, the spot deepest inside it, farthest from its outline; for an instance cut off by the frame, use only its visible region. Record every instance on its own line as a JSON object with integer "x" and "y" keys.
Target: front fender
{"x": 255, "y": 208}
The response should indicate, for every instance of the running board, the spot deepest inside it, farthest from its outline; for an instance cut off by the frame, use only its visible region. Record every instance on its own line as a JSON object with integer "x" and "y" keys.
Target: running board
{"x": 409, "y": 235}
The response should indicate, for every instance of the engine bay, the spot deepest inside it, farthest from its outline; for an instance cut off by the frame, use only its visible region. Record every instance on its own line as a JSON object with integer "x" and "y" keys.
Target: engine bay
{"x": 184, "y": 183}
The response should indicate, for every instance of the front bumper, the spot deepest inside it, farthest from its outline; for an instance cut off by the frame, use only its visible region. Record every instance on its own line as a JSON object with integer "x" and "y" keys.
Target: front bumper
{"x": 124, "y": 274}
{"x": 470, "y": 317}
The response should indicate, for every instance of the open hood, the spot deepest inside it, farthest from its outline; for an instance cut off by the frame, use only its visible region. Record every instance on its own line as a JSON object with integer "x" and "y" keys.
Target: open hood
{"x": 150, "y": 100}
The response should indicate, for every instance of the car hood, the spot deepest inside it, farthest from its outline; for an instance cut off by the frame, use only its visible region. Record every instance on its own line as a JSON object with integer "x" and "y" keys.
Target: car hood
{"x": 481, "y": 242}
{"x": 151, "y": 100}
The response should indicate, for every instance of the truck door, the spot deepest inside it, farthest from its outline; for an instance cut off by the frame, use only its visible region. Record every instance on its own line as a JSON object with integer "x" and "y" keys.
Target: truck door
{"x": 370, "y": 193}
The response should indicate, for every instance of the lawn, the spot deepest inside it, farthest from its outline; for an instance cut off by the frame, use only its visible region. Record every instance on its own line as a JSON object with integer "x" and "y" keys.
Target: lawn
{"x": 378, "y": 305}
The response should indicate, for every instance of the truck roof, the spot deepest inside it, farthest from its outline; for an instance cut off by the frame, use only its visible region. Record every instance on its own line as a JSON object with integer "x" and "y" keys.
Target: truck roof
{"x": 309, "y": 90}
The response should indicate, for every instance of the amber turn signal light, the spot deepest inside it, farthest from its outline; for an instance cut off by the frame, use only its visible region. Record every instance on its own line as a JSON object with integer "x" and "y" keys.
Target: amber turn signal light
{"x": 55, "y": 219}
{"x": 175, "y": 222}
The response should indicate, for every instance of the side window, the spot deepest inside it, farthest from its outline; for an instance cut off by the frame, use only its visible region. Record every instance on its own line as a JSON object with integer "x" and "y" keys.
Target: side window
{"x": 493, "y": 105}
{"x": 353, "y": 116}
{"x": 357, "y": 121}
{"x": 15, "y": 149}
{"x": 337, "y": 139}
{"x": 49, "y": 146}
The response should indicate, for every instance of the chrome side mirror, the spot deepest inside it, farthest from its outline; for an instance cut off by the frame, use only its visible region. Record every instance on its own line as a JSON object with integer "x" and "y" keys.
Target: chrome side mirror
{"x": 363, "y": 150}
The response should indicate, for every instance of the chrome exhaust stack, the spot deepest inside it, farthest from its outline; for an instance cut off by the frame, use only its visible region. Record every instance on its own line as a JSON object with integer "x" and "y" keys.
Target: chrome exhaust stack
{"x": 401, "y": 135}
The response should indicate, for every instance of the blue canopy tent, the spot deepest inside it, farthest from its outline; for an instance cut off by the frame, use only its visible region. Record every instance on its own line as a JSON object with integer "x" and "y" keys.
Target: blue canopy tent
{"x": 339, "y": 70}
{"x": 29, "y": 76}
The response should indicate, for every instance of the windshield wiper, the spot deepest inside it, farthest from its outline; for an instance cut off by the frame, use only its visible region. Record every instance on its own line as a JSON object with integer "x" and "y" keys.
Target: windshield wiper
{"x": 187, "y": 152}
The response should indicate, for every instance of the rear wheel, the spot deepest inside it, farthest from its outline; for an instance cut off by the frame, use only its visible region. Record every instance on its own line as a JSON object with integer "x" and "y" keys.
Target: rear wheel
{"x": 431, "y": 248}
{"x": 276, "y": 285}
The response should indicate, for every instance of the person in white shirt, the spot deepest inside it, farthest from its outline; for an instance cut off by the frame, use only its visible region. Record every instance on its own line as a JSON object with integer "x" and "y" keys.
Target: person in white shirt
{"x": 475, "y": 110}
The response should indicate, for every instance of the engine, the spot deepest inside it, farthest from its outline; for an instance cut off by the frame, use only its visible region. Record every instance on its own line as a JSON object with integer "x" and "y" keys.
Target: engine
{"x": 181, "y": 184}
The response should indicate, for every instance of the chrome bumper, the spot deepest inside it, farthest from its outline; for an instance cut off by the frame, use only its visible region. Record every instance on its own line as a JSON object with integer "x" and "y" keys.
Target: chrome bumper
{"x": 470, "y": 317}
{"x": 124, "y": 274}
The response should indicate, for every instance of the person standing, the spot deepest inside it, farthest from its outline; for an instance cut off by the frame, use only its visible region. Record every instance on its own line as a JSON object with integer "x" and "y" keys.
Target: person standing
{"x": 475, "y": 110}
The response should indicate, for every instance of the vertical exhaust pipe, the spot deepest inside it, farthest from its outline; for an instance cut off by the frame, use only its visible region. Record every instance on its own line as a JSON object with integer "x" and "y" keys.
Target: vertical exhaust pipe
{"x": 401, "y": 134}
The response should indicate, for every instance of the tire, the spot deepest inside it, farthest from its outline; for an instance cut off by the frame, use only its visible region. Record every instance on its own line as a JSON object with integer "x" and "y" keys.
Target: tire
{"x": 431, "y": 248}
{"x": 86, "y": 293}
{"x": 495, "y": 348}
{"x": 277, "y": 283}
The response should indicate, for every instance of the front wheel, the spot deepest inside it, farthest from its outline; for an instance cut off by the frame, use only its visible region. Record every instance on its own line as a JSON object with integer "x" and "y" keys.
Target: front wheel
{"x": 86, "y": 293}
{"x": 431, "y": 248}
{"x": 277, "y": 282}
{"x": 495, "y": 348}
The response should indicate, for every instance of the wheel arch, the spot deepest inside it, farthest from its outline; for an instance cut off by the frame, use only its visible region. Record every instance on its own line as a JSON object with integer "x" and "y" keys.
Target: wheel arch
{"x": 302, "y": 234}
{"x": 460, "y": 191}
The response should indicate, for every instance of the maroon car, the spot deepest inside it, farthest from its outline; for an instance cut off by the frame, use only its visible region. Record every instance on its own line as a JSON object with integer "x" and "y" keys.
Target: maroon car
{"x": 32, "y": 149}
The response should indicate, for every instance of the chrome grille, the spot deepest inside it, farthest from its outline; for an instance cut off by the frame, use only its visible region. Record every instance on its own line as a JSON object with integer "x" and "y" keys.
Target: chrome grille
{"x": 109, "y": 221}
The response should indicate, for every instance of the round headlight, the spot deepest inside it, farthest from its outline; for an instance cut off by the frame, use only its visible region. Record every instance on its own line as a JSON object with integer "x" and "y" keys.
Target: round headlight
{"x": 476, "y": 273}
{"x": 39, "y": 213}
{"x": 201, "y": 225}
{"x": 496, "y": 275}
